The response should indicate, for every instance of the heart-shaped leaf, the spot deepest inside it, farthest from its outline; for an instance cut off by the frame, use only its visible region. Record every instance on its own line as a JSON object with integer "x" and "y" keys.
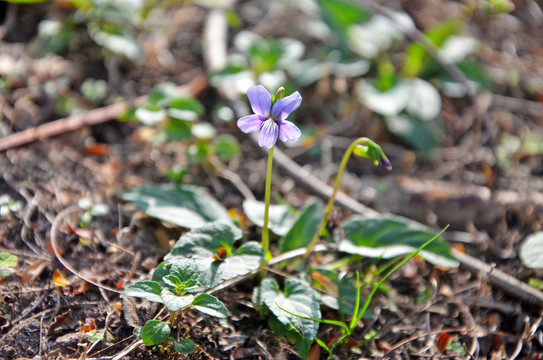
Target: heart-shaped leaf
{"x": 420, "y": 135}
{"x": 299, "y": 299}
{"x": 210, "y": 305}
{"x": 424, "y": 100}
{"x": 281, "y": 217}
{"x": 531, "y": 251}
{"x": 184, "y": 205}
{"x": 389, "y": 236}
{"x": 154, "y": 332}
{"x": 305, "y": 227}
{"x": 146, "y": 289}
{"x": 175, "y": 302}
{"x": 387, "y": 103}
{"x": 203, "y": 246}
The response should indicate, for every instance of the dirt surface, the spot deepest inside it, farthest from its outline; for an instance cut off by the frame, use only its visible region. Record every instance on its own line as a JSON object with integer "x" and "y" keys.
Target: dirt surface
{"x": 491, "y": 210}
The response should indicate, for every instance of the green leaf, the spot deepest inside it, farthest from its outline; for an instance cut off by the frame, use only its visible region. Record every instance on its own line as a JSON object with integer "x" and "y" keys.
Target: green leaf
{"x": 531, "y": 251}
{"x": 183, "y": 205}
{"x": 420, "y": 135}
{"x": 117, "y": 40}
{"x": 185, "y": 108}
{"x": 7, "y": 260}
{"x": 226, "y": 147}
{"x": 146, "y": 289}
{"x": 154, "y": 332}
{"x": 200, "y": 244}
{"x": 281, "y": 218}
{"x": 178, "y": 130}
{"x": 339, "y": 15}
{"x": 387, "y": 103}
{"x": 210, "y": 305}
{"x": 344, "y": 298}
{"x": 424, "y": 100}
{"x": 185, "y": 346}
{"x": 305, "y": 227}
{"x": 174, "y": 302}
{"x": 389, "y": 236}
{"x": 298, "y": 298}
{"x": 149, "y": 116}
{"x": 417, "y": 56}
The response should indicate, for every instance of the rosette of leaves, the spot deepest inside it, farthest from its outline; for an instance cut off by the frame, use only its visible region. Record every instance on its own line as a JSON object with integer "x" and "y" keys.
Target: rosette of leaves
{"x": 211, "y": 248}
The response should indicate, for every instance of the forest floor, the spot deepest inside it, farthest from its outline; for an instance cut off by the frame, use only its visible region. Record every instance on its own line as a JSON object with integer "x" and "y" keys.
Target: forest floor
{"x": 491, "y": 209}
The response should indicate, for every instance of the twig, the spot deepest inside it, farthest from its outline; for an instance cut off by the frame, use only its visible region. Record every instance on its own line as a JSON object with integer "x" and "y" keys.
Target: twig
{"x": 93, "y": 117}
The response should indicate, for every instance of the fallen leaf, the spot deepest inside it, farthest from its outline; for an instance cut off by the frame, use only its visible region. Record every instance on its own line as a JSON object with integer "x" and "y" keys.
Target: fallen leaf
{"x": 442, "y": 342}
{"x": 59, "y": 279}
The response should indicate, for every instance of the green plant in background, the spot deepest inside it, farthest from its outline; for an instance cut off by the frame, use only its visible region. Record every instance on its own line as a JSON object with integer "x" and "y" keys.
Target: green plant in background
{"x": 258, "y": 60}
{"x": 9, "y": 206}
{"x": 112, "y": 25}
{"x": 7, "y": 264}
{"x": 91, "y": 211}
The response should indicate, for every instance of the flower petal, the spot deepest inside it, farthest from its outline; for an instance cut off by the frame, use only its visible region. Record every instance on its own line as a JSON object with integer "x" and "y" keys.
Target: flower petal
{"x": 251, "y": 123}
{"x": 282, "y": 108}
{"x": 268, "y": 135}
{"x": 289, "y": 131}
{"x": 260, "y": 100}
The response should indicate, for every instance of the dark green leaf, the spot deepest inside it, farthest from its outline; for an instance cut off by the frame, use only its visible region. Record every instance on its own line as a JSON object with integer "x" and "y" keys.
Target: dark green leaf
{"x": 210, "y": 305}
{"x": 146, "y": 289}
{"x": 184, "y": 205}
{"x": 185, "y": 346}
{"x": 305, "y": 227}
{"x": 298, "y": 298}
{"x": 389, "y": 236}
{"x": 281, "y": 218}
{"x": 420, "y": 135}
{"x": 341, "y": 14}
{"x": 202, "y": 243}
{"x": 154, "y": 332}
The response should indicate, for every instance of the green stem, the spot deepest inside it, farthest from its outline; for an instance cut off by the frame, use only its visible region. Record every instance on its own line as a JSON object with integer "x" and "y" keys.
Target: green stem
{"x": 330, "y": 205}
{"x": 265, "y": 231}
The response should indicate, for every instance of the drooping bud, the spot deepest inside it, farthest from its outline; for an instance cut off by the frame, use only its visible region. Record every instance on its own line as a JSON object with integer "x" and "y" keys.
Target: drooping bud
{"x": 372, "y": 151}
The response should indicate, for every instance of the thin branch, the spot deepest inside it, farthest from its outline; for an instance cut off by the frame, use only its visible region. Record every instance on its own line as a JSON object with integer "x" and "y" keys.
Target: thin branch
{"x": 93, "y": 117}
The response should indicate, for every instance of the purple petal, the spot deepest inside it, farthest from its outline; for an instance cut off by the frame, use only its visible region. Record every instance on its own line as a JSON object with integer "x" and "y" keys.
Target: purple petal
{"x": 282, "y": 108}
{"x": 385, "y": 163}
{"x": 260, "y": 100}
{"x": 251, "y": 123}
{"x": 268, "y": 135}
{"x": 289, "y": 131}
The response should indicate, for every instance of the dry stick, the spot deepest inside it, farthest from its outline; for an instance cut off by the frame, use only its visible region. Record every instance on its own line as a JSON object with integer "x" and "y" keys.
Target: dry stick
{"x": 498, "y": 278}
{"x": 93, "y": 117}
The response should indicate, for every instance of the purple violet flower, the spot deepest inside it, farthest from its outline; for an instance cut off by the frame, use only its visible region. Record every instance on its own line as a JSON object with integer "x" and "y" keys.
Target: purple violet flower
{"x": 271, "y": 120}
